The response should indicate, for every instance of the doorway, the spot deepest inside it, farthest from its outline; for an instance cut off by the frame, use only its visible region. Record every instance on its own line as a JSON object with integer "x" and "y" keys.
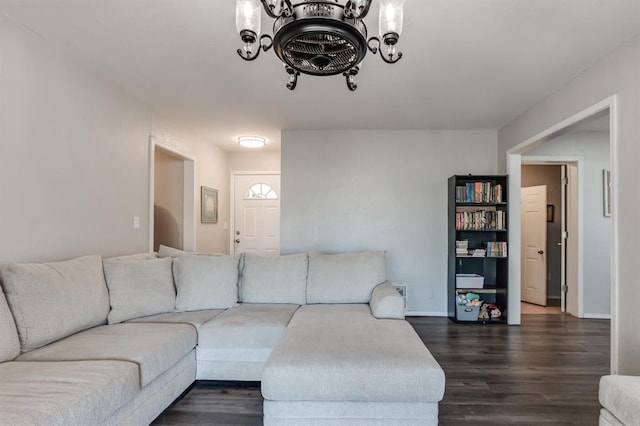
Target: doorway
{"x": 171, "y": 197}
{"x": 255, "y": 213}
{"x": 557, "y": 253}
{"x": 595, "y": 267}
{"x": 168, "y": 200}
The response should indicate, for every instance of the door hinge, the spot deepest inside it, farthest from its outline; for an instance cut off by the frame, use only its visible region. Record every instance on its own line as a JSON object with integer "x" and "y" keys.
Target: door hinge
{"x": 564, "y": 235}
{"x": 564, "y": 288}
{"x": 565, "y": 180}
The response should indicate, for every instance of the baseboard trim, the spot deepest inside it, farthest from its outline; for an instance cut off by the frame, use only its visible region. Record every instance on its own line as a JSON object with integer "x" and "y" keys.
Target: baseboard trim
{"x": 425, "y": 314}
{"x": 597, "y": 316}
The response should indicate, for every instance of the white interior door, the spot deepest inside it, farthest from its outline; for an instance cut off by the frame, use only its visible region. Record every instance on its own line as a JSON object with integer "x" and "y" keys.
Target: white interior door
{"x": 257, "y": 214}
{"x": 534, "y": 244}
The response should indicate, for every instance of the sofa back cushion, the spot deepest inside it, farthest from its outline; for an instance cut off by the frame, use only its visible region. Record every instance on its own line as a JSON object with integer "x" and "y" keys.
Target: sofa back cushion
{"x": 344, "y": 277}
{"x": 139, "y": 288}
{"x": 50, "y": 301}
{"x": 9, "y": 342}
{"x": 166, "y": 251}
{"x": 274, "y": 279}
{"x": 136, "y": 256}
{"x": 205, "y": 282}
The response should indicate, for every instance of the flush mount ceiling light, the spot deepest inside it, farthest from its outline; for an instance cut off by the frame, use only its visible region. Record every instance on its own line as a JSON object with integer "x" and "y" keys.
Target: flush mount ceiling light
{"x": 319, "y": 37}
{"x": 251, "y": 141}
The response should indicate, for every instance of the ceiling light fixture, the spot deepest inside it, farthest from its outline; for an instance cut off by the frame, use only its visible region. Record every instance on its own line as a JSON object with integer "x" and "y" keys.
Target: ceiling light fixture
{"x": 319, "y": 37}
{"x": 251, "y": 141}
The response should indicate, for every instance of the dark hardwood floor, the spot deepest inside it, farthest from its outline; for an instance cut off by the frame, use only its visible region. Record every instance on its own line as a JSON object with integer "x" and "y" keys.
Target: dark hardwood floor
{"x": 544, "y": 372}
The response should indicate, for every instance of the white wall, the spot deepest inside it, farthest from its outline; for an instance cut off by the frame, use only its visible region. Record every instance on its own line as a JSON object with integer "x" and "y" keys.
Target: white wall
{"x": 74, "y": 163}
{"x": 253, "y": 161}
{"x": 618, "y": 74}
{"x": 380, "y": 190}
{"x": 593, "y": 147}
{"x": 74, "y": 152}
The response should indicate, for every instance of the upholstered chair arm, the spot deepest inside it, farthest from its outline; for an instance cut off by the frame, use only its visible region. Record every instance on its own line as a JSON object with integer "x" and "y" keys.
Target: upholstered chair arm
{"x": 386, "y": 302}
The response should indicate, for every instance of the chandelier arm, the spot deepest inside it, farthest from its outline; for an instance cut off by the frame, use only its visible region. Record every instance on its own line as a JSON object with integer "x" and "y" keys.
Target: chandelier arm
{"x": 350, "y": 77}
{"x": 285, "y": 8}
{"x": 389, "y": 58}
{"x": 373, "y": 49}
{"x": 351, "y": 13}
{"x": 249, "y": 56}
{"x": 269, "y": 44}
{"x": 293, "y": 77}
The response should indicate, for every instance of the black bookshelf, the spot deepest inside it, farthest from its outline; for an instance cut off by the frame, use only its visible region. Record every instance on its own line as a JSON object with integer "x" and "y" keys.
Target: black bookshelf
{"x": 478, "y": 214}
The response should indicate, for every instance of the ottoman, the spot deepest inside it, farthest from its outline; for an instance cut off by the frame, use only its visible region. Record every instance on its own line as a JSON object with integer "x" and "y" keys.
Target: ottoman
{"x": 337, "y": 364}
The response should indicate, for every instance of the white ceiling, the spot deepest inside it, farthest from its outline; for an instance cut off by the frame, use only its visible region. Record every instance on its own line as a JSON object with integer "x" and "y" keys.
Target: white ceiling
{"x": 468, "y": 64}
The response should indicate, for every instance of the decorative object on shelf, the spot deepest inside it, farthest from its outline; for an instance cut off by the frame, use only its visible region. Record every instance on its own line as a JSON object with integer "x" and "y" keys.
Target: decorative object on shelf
{"x": 550, "y": 209}
{"x": 606, "y": 192}
{"x": 320, "y": 37}
{"x": 208, "y": 205}
{"x": 484, "y": 312}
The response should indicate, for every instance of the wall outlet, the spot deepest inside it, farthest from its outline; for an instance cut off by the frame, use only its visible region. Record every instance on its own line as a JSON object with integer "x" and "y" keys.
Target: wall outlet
{"x": 136, "y": 222}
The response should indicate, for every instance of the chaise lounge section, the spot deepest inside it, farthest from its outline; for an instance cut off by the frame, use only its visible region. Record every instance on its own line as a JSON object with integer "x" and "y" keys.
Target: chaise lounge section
{"x": 88, "y": 341}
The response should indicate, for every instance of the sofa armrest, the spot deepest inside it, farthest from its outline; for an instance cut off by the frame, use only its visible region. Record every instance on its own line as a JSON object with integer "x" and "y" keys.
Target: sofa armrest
{"x": 386, "y": 302}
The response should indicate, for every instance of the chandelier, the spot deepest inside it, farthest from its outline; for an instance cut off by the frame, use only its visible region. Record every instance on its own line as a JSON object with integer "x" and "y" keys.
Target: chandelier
{"x": 319, "y": 37}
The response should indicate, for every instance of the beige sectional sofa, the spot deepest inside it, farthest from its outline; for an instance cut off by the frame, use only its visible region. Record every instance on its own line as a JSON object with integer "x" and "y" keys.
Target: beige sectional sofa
{"x": 115, "y": 341}
{"x": 620, "y": 398}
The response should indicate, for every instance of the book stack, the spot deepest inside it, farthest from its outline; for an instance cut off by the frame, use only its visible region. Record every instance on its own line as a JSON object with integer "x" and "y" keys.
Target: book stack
{"x": 479, "y": 253}
{"x": 497, "y": 249}
{"x": 462, "y": 248}
{"x": 480, "y": 220}
{"x": 479, "y": 192}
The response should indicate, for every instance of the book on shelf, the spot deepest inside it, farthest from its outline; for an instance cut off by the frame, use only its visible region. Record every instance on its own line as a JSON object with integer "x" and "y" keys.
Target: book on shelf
{"x": 497, "y": 249}
{"x": 480, "y": 220}
{"x": 479, "y": 192}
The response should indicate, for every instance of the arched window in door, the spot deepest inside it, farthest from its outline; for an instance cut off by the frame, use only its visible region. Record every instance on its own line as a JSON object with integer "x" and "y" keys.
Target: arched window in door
{"x": 261, "y": 191}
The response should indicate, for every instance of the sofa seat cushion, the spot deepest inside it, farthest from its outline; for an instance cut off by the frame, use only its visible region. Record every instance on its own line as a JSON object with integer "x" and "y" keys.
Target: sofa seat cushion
{"x": 65, "y": 393}
{"x": 620, "y": 395}
{"x": 195, "y": 318}
{"x": 154, "y": 347}
{"x": 344, "y": 277}
{"x": 248, "y": 332}
{"x": 343, "y": 353}
{"x": 274, "y": 279}
{"x": 9, "y": 341}
{"x": 50, "y": 301}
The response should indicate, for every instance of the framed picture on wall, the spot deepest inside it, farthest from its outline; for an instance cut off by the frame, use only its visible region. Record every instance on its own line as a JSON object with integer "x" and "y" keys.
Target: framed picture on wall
{"x": 208, "y": 205}
{"x": 550, "y": 211}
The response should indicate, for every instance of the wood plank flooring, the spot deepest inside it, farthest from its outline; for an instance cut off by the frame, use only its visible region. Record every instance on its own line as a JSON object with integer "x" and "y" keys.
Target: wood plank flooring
{"x": 544, "y": 372}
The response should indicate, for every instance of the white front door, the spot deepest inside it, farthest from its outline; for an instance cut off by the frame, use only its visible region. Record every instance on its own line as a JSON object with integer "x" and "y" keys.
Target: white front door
{"x": 256, "y": 214}
{"x": 534, "y": 244}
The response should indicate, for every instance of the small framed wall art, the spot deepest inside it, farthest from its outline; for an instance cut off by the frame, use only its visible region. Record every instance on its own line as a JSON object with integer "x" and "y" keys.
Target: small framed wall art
{"x": 550, "y": 212}
{"x": 208, "y": 205}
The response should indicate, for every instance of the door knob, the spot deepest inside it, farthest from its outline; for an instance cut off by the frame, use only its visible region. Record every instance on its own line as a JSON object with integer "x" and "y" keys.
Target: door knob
{"x": 238, "y": 241}
{"x": 540, "y": 251}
